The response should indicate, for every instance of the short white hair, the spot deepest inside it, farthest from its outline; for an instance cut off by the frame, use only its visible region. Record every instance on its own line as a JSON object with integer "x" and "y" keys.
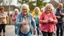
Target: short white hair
{"x": 16, "y": 10}
{"x": 25, "y": 5}
{"x": 50, "y": 6}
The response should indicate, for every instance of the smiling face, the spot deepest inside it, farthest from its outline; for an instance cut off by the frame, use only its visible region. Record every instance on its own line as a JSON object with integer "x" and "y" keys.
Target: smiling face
{"x": 48, "y": 9}
{"x": 25, "y": 10}
{"x": 60, "y": 6}
{"x": 16, "y": 12}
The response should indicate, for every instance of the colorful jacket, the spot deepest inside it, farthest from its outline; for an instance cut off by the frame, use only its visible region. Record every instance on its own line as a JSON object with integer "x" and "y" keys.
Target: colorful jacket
{"x": 20, "y": 19}
{"x": 50, "y": 26}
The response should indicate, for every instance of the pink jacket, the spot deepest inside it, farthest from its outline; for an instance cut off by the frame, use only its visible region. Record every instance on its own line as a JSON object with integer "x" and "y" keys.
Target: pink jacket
{"x": 14, "y": 18}
{"x": 50, "y": 26}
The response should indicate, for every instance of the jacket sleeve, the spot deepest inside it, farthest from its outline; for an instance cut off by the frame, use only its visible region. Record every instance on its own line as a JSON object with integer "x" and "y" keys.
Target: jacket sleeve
{"x": 41, "y": 19}
{"x": 18, "y": 20}
{"x": 33, "y": 23}
{"x": 17, "y": 25}
{"x": 54, "y": 19}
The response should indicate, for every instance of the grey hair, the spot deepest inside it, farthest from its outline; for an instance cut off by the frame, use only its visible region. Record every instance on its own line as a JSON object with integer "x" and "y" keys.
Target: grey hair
{"x": 42, "y": 8}
{"x": 25, "y": 5}
{"x": 52, "y": 7}
{"x": 16, "y": 10}
{"x": 60, "y": 4}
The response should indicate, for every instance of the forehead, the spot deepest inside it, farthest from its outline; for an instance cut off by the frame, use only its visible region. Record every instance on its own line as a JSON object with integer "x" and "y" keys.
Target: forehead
{"x": 24, "y": 7}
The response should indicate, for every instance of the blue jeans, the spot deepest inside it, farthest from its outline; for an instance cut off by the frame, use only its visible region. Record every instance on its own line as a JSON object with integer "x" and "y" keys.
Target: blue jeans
{"x": 28, "y": 34}
{"x": 38, "y": 30}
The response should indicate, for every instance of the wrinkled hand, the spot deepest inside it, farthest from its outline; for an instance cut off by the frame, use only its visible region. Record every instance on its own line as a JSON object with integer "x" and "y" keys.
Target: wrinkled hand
{"x": 46, "y": 21}
{"x": 34, "y": 17}
{"x": 35, "y": 31}
{"x": 24, "y": 23}
{"x": 50, "y": 19}
{"x": 58, "y": 17}
{"x": 62, "y": 14}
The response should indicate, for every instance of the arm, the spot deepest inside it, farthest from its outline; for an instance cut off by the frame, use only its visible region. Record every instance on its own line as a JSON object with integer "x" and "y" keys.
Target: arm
{"x": 18, "y": 20}
{"x": 13, "y": 17}
{"x": 58, "y": 15}
{"x": 7, "y": 19}
{"x": 33, "y": 23}
{"x": 41, "y": 19}
{"x": 54, "y": 19}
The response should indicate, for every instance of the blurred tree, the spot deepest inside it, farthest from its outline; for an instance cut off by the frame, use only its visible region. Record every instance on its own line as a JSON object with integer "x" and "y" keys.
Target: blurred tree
{"x": 0, "y": 1}
{"x": 32, "y": 4}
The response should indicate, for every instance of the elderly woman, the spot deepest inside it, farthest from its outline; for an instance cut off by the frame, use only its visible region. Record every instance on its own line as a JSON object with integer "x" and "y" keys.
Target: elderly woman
{"x": 3, "y": 20}
{"x": 48, "y": 21}
{"x": 60, "y": 18}
{"x": 42, "y": 9}
{"x": 14, "y": 15}
{"x": 36, "y": 14}
{"x": 24, "y": 21}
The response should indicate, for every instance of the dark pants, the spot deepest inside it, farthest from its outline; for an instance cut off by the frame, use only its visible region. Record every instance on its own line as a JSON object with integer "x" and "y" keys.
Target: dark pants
{"x": 47, "y": 33}
{"x": 38, "y": 29}
{"x": 59, "y": 28}
{"x": 2, "y": 27}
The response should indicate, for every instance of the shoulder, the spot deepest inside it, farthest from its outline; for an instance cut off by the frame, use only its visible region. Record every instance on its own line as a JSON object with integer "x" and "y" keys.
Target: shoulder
{"x": 29, "y": 14}
{"x": 43, "y": 13}
{"x": 19, "y": 14}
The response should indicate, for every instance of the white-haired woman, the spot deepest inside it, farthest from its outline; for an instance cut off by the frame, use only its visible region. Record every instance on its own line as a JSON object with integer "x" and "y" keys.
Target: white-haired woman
{"x": 14, "y": 15}
{"x": 48, "y": 21}
{"x": 24, "y": 21}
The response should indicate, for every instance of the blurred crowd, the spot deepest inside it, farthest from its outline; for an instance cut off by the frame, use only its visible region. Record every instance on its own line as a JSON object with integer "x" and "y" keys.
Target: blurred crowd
{"x": 48, "y": 20}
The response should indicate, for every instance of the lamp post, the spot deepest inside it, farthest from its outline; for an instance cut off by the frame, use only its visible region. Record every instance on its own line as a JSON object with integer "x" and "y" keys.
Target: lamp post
{"x": 9, "y": 11}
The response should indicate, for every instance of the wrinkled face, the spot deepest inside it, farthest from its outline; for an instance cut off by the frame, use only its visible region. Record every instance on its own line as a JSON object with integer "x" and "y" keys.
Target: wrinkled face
{"x": 60, "y": 7}
{"x": 16, "y": 12}
{"x": 25, "y": 10}
{"x": 36, "y": 11}
{"x": 48, "y": 9}
{"x": 2, "y": 11}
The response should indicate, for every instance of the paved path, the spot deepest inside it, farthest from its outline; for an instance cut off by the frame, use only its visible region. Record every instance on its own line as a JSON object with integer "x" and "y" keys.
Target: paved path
{"x": 10, "y": 30}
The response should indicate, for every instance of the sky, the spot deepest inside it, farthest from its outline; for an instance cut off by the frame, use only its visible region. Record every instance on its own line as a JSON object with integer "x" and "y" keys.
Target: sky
{"x": 46, "y": 0}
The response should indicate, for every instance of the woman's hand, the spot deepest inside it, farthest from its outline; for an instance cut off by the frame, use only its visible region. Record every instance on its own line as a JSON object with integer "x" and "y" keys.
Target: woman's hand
{"x": 35, "y": 30}
{"x": 58, "y": 17}
{"x": 45, "y": 21}
{"x": 62, "y": 14}
{"x": 24, "y": 23}
{"x": 50, "y": 20}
